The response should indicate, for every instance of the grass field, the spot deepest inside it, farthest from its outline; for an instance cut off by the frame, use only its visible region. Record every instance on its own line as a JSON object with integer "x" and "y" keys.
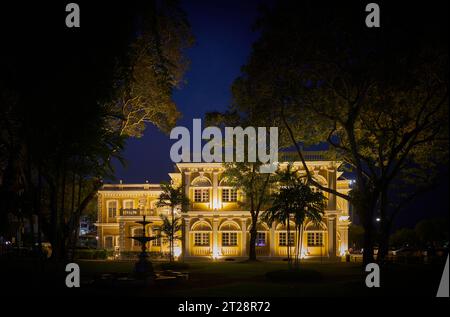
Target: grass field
{"x": 238, "y": 279}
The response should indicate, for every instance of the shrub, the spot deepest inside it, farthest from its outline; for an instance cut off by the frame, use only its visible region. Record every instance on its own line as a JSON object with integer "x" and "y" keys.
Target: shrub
{"x": 91, "y": 254}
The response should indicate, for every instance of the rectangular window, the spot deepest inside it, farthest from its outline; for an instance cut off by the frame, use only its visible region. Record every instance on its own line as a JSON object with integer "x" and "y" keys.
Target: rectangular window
{"x": 201, "y": 195}
{"x": 315, "y": 239}
{"x": 260, "y": 239}
{"x": 229, "y": 195}
{"x": 283, "y": 236}
{"x": 128, "y": 204}
{"x": 229, "y": 239}
{"x": 201, "y": 239}
{"x": 112, "y": 209}
{"x": 109, "y": 242}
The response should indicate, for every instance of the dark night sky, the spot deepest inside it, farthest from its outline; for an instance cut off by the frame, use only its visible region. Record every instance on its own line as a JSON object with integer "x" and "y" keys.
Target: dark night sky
{"x": 224, "y": 37}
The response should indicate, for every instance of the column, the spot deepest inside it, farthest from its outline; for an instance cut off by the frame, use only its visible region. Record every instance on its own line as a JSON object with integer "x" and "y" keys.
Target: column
{"x": 272, "y": 240}
{"x": 215, "y": 191}
{"x": 99, "y": 221}
{"x": 215, "y": 233}
{"x": 121, "y": 236}
{"x": 186, "y": 242}
{"x": 331, "y": 235}
{"x": 244, "y": 236}
{"x": 343, "y": 225}
{"x": 332, "y": 185}
{"x": 187, "y": 183}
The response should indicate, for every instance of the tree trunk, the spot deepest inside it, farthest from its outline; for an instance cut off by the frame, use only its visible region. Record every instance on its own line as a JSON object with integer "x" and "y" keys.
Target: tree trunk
{"x": 172, "y": 235}
{"x": 253, "y": 233}
{"x": 368, "y": 239}
{"x": 288, "y": 228}
{"x": 301, "y": 244}
{"x": 383, "y": 249}
{"x": 385, "y": 227}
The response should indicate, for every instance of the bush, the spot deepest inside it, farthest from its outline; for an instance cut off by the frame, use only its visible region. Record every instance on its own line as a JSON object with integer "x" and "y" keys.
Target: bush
{"x": 92, "y": 254}
{"x": 133, "y": 255}
{"x": 175, "y": 266}
{"x": 294, "y": 275}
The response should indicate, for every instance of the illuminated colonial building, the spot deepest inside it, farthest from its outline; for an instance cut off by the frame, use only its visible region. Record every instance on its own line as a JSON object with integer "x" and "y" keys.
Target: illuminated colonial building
{"x": 215, "y": 225}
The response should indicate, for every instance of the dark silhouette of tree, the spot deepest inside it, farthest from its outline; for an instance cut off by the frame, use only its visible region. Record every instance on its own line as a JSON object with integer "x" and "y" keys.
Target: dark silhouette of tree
{"x": 377, "y": 96}
{"x": 68, "y": 105}
{"x": 255, "y": 186}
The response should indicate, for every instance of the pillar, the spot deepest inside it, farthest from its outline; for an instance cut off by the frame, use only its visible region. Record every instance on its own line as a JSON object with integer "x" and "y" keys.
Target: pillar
{"x": 332, "y": 185}
{"x": 186, "y": 242}
{"x": 187, "y": 183}
{"x": 244, "y": 236}
{"x": 215, "y": 191}
{"x": 121, "y": 236}
{"x": 99, "y": 221}
{"x": 343, "y": 225}
{"x": 331, "y": 235}
{"x": 215, "y": 233}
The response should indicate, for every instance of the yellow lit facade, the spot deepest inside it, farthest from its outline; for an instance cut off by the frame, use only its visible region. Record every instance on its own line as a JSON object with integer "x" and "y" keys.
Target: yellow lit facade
{"x": 215, "y": 224}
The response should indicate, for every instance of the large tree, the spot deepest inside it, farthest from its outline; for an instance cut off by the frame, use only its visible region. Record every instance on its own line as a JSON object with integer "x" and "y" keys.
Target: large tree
{"x": 245, "y": 177}
{"x": 67, "y": 106}
{"x": 378, "y": 97}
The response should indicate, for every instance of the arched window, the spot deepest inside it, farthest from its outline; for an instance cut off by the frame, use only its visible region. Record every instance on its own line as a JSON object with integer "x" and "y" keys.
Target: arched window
{"x": 229, "y": 230}
{"x": 201, "y": 185}
{"x": 315, "y": 234}
{"x": 283, "y": 235}
{"x": 202, "y": 231}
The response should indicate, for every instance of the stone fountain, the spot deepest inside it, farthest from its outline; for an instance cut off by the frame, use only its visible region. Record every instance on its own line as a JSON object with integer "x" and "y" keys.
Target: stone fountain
{"x": 143, "y": 268}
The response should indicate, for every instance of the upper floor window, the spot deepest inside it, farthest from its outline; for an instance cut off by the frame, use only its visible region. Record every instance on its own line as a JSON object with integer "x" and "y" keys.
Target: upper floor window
{"x": 201, "y": 195}
{"x": 112, "y": 208}
{"x": 229, "y": 195}
{"x": 128, "y": 204}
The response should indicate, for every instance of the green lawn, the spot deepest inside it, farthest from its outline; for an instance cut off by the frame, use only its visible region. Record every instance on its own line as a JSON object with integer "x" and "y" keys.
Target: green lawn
{"x": 227, "y": 279}
{"x": 242, "y": 279}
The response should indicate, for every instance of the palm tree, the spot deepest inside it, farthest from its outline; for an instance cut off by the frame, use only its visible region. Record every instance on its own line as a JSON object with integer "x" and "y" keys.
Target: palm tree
{"x": 169, "y": 231}
{"x": 297, "y": 201}
{"x": 174, "y": 198}
{"x": 308, "y": 205}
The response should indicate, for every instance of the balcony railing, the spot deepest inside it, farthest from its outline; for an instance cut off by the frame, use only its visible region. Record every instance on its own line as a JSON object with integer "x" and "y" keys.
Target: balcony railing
{"x": 135, "y": 212}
